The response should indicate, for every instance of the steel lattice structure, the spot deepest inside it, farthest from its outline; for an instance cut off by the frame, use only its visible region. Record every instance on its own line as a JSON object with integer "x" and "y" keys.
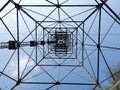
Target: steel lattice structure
{"x": 58, "y": 44}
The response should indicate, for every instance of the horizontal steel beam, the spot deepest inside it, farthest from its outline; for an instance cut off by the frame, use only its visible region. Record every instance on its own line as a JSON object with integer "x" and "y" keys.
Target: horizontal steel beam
{"x": 60, "y": 5}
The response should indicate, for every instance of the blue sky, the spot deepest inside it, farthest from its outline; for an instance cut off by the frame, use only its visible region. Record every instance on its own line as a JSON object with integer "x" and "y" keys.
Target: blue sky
{"x": 28, "y": 19}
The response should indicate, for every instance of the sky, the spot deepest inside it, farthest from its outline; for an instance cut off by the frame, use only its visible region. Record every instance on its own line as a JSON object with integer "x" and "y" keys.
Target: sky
{"x": 21, "y": 63}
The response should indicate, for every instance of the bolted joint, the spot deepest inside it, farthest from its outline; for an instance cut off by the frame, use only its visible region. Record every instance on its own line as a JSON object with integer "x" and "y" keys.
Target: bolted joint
{"x": 82, "y": 43}
{"x": 99, "y": 6}
{"x": 57, "y": 83}
{"x": 59, "y": 64}
{"x": 98, "y": 46}
{"x": 98, "y": 84}
{"x": 42, "y": 43}
{"x": 59, "y": 21}
{"x": 58, "y": 5}
{"x": 17, "y": 6}
{"x": 18, "y": 82}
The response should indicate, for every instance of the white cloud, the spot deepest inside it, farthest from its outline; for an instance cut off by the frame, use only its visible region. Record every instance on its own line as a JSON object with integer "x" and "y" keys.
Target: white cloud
{"x": 13, "y": 68}
{"x": 17, "y": 1}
